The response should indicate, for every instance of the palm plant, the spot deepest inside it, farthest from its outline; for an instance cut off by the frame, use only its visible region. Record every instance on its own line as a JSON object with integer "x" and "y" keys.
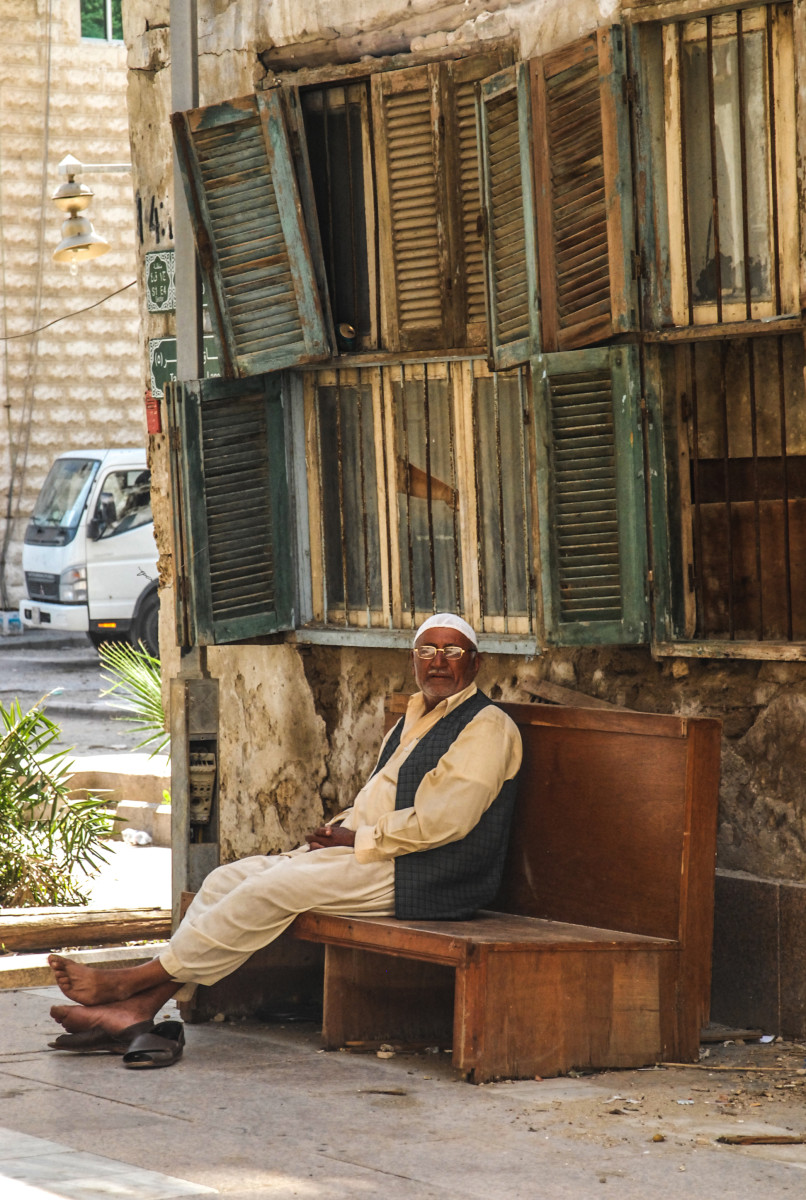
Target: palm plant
{"x": 44, "y": 836}
{"x": 135, "y": 676}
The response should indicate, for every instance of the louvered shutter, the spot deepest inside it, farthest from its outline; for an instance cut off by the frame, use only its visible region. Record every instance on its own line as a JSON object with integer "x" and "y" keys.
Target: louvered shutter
{"x": 583, "y": 185}
{"x": 511, "y": 265}
{"x": 250, "y": 234}
{"x": 467, "y": 242}
{"x": 412, "y": 206}
{"x": 592, "y": 503}
{"x": 231, "y": 494}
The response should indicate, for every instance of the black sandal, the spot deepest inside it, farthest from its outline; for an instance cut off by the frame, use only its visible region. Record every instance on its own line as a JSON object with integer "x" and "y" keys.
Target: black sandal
{"x": 160, "y": 1046}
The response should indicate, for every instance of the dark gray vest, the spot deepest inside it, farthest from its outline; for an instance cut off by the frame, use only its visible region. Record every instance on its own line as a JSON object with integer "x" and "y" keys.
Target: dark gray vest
{"x": 449, "y": 882}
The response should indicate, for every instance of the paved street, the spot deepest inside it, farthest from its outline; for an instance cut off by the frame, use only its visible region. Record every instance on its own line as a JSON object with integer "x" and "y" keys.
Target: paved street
{"x": 32, "y": 664}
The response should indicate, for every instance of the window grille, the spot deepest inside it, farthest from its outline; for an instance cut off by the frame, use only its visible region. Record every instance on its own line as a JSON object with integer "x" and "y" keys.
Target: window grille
{"x": 421, "y": 482}
{"x": 730, "y": 165}
{"x": 743, "y": 405}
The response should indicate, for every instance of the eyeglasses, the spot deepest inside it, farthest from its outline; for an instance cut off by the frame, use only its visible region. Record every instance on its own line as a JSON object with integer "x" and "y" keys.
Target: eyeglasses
{"x": 452, "y": 653}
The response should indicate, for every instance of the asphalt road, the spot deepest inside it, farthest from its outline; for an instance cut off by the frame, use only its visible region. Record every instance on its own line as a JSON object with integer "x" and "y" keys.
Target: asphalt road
{"x": 33, "y": 664}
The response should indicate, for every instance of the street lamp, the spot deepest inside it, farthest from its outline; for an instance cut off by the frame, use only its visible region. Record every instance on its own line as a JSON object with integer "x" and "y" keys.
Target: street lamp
{"x": 79, "y": 241}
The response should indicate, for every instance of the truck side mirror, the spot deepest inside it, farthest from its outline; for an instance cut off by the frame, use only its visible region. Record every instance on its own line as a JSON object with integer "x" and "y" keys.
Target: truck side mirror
{"x": 93, "y": 529}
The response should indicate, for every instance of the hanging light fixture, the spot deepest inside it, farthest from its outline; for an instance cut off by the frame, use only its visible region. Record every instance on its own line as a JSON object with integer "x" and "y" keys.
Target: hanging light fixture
{"x": 79, "y": 241}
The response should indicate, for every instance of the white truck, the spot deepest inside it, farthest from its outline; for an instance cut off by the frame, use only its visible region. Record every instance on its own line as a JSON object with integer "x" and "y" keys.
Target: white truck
{"x": 89, "y": 557}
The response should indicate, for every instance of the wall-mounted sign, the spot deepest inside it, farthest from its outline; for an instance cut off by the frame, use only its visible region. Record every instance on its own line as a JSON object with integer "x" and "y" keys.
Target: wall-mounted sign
{"x": 160, "y": 281}
{"x": 162, "y": 357}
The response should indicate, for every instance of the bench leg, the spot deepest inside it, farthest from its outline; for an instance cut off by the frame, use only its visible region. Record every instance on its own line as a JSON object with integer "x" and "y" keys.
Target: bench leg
{"x": 519, "y": 1015}
{"x": 372, "y": 998}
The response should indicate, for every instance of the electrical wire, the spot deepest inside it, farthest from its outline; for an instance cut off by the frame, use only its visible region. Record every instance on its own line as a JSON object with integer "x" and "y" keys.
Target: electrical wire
{"x": 18, "y": 449}
{"x": 66, "y": 317}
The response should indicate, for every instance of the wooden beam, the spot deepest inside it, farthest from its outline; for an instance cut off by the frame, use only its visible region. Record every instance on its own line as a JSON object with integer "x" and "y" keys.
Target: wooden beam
{"x": 772, "y": 327}
{"x": 554, "y": 693}
{"x": 55, "y": 928}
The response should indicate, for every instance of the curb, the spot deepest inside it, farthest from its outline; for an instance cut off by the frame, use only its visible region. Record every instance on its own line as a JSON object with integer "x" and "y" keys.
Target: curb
{"x": 77, "y": 709}
{"x": 32, "y": 970}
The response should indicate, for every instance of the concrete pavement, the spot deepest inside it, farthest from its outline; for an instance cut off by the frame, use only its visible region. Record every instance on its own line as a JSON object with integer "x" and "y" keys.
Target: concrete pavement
{"x": 257, "y": 1110}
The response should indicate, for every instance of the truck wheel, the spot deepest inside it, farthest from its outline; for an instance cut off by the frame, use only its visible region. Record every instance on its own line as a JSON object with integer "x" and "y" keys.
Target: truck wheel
{"x": 146, "y": 627}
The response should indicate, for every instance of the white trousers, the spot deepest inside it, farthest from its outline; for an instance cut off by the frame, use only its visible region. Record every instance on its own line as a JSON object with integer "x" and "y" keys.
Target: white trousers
{"x": 245, "y": 905}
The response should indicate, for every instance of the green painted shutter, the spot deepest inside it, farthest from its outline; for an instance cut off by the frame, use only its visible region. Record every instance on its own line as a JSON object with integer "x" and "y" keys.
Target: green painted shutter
{"x": 511, "y": 263}
{"x": 231, "y": 497}
{"x": 591, "y": 497}
{"x": 251, "y": 236}
{"x": 583, "y": 185}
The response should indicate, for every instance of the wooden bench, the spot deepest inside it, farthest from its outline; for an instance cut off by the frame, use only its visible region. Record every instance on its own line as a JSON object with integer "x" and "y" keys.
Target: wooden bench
{"x": 597, "y": 952}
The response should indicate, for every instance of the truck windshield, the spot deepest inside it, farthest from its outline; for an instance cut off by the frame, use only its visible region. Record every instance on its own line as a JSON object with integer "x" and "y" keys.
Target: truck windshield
{"x": 64, "y": 492}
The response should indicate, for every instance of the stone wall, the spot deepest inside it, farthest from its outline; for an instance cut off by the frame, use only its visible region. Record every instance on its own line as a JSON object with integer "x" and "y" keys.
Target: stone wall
{"x": 300, "y": 726}
{"x": 80, "y": 382}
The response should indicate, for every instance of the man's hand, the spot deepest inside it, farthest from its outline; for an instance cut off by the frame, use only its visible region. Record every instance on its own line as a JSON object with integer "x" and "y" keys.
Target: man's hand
{"x": 330, "y": 835}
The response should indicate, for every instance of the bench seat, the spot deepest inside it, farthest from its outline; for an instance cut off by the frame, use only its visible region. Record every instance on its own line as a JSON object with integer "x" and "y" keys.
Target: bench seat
{"x": 596, "y": 953}
{"x": 513, "y": 996}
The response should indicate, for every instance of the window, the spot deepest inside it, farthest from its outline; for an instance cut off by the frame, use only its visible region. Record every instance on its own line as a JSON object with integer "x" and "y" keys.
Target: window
{"x": 742, "y": 484}
{"x": 421, "y": 494}
{"x": 730, "y": 147}
{"x": 124, "y": 503}
{"x": 101, "y": 19}
{"x": 726, "y": 372}
{"x": 398, "y": 219}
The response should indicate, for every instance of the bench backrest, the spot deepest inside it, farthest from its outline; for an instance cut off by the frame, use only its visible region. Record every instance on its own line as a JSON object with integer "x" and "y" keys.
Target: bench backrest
{"x": 615, "y": 823}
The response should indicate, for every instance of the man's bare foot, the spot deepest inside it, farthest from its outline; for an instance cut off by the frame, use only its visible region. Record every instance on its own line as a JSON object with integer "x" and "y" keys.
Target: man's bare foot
{"x": 91, "y": 986}
{"x": 113, "y": 1018}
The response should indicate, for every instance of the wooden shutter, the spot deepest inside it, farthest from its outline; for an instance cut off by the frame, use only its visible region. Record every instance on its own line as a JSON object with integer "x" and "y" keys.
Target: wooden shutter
{"x": 250, "y": 234}
{"x": 231, "y": 497}
{"x": 412, "y": 206}
{"x": 467, "y": 233}
{"x": 592, "y": 503}
{"x": 511, "y": 265}
{"x": 583, "y": 185}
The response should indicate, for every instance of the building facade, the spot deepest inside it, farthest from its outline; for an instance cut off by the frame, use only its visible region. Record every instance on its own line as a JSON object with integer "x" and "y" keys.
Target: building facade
{"x": 79, "y": 381}
{"x": 506, "y": 302}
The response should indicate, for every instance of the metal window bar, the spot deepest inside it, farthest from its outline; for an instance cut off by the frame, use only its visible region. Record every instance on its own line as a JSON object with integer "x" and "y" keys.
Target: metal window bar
{"x": 699, "y": 589}
{"x": 525, "y": 416}
{"x": 363, "y": 490}
{"x": 457, "y": 576}
{"x": 748, "y": 296}
{"x": 785, "y": 488}
{"x": 322, "y": 538}
{"x": 387, "y": 507}
{"x": 709, "y": 58}
{"x": 353, "y": 256}
{"x": 477, "y": 483}
{"x": 723, "y": 408}
{"x": 432, "y": 566}
{"x": 684, "y": 177}
{"x": 342, "y": 522}
{"x": 776, "y": 247}
{"x": 332, "y": 273}
{"x": 409, "y": 541}
{"x": 500, "y": 490}
{"x": 751, "y": 379}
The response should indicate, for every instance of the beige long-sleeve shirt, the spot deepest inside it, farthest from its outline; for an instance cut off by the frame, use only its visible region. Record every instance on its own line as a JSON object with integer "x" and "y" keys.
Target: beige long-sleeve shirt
{"x": 451, "y": 799}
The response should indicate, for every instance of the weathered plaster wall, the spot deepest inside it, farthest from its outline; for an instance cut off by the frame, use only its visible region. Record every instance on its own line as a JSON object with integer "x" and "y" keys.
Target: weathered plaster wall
{"x": 78, "y": 383}
{"x": 300, "y": 728}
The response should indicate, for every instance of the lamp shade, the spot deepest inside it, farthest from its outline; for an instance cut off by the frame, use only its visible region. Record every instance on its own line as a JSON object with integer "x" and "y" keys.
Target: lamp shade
{"x": 79, "y": 242}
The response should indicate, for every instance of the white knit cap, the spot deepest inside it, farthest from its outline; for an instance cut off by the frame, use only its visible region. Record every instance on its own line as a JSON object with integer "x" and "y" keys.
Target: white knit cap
{"x": 448, "y": 621}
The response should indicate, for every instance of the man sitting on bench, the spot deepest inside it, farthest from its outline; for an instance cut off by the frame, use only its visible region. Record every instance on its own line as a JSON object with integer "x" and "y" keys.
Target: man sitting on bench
{"x": 425, "y": 839}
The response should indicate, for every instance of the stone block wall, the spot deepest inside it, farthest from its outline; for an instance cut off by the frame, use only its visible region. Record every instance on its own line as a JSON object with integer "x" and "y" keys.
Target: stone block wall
{"x": 300, "y": 726}
{"x": 79, "y": 382}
